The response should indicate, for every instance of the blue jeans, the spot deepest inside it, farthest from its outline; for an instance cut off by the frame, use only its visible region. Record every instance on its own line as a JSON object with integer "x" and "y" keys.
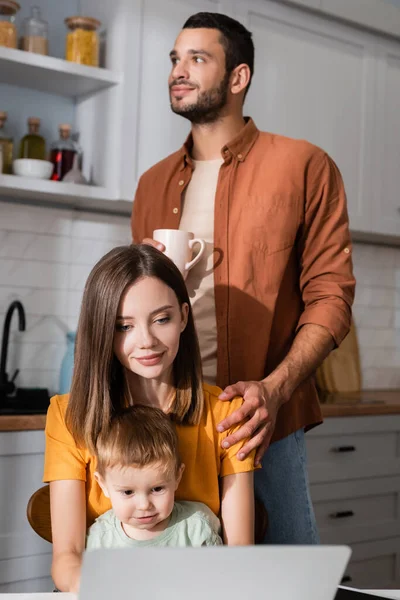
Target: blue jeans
{"x": 282, "y": 485}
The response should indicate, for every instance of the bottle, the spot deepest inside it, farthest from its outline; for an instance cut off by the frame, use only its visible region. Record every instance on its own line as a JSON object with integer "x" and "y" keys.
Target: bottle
{"x": 8, "y": 31}
{"x": 6, "y": 143}
{"x": 33, "y": 145}
{"x": 35, "y": 33}
{"x": 82, "y": 43}
{"x": 62, "y": 153}
{"x": 75, "y": 175}
{"x": 67, "y": 364}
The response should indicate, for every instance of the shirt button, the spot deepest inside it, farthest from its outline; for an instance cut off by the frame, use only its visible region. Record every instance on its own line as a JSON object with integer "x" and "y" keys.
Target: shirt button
{"x": 240, "y": 156}
{"x": 346, "y": 250}
{"x": 175, "y": 211}
{"x": 181, "y": 182}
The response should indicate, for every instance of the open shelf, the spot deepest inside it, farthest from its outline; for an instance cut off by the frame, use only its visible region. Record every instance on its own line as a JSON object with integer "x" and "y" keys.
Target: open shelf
{"x": 53, "y": 75}
{"x": 43, "y": 191}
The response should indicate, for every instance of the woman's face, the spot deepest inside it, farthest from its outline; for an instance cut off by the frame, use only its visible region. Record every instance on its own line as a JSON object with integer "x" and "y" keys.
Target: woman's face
{"x": 148, "y": 328}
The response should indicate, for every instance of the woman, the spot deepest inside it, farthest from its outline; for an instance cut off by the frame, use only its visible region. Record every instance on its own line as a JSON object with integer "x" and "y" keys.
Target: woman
{"x": 136, "y": 342}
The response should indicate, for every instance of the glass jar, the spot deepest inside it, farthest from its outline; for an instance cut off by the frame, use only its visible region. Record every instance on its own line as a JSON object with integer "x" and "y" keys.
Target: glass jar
{"x": 82, "y": 44}
{"x": 6, "y": 144}
{"x": 62, "y": 153}
{"x": 33, "y": 145}
{"x": 8, "y": 31}
{"x": 35, "y": 33}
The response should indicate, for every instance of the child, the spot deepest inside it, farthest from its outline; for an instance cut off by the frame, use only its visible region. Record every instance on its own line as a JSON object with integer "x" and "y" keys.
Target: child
{"x": 139, "y": 470}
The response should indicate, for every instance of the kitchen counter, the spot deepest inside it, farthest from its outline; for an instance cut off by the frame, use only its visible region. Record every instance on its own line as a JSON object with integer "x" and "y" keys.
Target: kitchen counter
{"x": 22, "y": 422}
{"x": 368, "y": 402}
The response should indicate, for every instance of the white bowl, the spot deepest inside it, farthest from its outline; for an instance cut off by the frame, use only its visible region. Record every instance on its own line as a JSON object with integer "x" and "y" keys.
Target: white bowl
{"x": 31, "y": 167}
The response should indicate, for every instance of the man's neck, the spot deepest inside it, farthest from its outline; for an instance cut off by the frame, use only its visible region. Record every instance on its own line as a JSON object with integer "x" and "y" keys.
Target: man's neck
{"x": 209, "y": 139}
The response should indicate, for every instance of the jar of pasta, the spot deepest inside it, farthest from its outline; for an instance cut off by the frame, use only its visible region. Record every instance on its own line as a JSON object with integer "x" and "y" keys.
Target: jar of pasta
{"x": 82, "y": 45}
{"x": 8, "y": 31}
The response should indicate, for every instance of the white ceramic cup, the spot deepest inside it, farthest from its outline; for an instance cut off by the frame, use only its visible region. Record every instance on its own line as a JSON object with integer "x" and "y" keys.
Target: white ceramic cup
{"x": 179, "y": 247}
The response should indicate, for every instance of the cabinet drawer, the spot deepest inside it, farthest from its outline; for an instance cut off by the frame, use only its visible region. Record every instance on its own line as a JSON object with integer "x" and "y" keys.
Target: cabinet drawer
{"x": 357, "y": 511}
{"x": 374, "y": 565}
{"x": 342, "y": 449}
{"x": 336, "y": 457}
{"x": 377, "y": 572}
{"x": 352, "y": 512}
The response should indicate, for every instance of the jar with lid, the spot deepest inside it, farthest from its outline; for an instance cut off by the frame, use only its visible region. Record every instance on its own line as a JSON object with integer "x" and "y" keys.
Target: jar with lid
{"x": 62, "y": 153}
{"x": 82, "y": 44}
{"x": 6, "y": 144}
{"x": 33, "y": 145}
{"x": 35, "y": 33}
{"x": 8, "y": 30}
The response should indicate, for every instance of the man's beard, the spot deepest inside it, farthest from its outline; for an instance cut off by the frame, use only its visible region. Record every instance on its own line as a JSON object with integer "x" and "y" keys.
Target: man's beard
{"x": 208, "y": 107}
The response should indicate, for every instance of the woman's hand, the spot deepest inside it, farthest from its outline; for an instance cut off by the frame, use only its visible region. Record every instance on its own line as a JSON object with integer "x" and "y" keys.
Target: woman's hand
{"x": 68, "y": 526}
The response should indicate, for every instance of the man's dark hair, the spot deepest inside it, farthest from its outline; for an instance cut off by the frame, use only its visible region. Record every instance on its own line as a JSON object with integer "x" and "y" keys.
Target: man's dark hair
{"x": 235, "y": 38}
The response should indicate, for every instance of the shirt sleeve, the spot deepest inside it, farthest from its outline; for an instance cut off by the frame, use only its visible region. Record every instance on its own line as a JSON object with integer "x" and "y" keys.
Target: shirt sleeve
{"x": 327, "y": 283}
{"x": 62, "y": 459}
{"x": 230, "y": 464}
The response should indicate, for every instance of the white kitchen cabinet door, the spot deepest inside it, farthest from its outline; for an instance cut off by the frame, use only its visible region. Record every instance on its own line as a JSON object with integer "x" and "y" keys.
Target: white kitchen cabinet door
{"x": 25, "y": 559}
{"x": 387, "y": 182}
{"x": 159, "y": 131}
{"x": 315, "y": 80}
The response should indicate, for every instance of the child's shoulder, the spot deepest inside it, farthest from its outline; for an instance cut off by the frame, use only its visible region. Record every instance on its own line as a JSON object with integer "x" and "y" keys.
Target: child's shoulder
{"x": 104, "y": 522}
{"x": 196, "y": 514}
{"x": 220, "y": 408}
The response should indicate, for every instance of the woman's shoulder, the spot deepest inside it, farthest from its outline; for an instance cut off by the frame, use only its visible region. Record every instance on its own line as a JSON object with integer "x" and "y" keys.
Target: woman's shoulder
{"x": 220, "y": 408}
{"x": 57, "y": 408}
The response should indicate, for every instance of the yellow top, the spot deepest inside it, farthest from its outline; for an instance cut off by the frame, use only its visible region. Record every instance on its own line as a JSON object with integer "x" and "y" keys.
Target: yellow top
{"x": 200, "y": 449}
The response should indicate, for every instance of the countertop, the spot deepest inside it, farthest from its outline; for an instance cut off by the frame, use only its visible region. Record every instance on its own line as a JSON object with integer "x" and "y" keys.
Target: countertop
{"x": 368, "y": 402}
{"x": 22, "y": 422}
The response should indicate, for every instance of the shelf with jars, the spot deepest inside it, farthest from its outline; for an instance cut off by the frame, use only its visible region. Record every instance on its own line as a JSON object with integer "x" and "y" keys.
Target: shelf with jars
{"x": 65, "y": 68}
{"x": 73, "y": 195}
{"x": 53, "y": 75}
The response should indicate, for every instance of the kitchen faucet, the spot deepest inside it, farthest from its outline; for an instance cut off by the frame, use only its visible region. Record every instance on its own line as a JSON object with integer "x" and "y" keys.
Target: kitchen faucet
{"x": 7, "y": 386}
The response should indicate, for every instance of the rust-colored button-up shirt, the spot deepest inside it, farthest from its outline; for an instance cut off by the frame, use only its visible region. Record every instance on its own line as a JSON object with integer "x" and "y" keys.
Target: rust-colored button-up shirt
{"x": 282, "y": 247}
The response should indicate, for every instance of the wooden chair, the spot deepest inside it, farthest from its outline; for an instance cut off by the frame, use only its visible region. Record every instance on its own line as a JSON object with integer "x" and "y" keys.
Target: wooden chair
{"x": 38, "y": 512}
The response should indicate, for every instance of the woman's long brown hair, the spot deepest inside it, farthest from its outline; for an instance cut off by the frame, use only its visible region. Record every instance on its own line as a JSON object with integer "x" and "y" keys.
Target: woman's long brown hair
{"x": 98, "y": 385}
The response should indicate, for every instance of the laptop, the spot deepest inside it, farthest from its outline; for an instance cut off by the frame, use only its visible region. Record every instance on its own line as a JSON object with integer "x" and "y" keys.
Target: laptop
{"x": 214, "y": 573}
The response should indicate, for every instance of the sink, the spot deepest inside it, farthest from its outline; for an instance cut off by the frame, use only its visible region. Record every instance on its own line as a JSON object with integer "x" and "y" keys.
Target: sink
{"x": 25, "y": 401}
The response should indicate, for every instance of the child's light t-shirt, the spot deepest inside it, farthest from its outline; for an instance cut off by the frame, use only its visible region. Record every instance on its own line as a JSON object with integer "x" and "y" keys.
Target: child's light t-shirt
{"x": 191, "y": 524}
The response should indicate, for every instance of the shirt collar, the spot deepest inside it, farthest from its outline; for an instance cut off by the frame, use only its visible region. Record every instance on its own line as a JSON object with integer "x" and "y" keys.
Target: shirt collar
{"x": 238, "y": 148}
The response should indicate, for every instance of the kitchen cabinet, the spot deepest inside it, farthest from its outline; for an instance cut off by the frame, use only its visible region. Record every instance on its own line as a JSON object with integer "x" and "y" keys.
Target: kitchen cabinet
{"x": 25, "y": 559}
{"x": 354, "y": 470}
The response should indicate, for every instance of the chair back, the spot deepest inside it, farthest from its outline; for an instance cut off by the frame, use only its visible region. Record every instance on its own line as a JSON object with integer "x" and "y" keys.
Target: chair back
{"x": 38, "y": 512}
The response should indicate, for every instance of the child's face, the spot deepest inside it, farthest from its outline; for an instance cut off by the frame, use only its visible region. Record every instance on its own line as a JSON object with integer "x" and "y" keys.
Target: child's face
{"x": 148, "y": 328}
{"x": 142, "y": 497}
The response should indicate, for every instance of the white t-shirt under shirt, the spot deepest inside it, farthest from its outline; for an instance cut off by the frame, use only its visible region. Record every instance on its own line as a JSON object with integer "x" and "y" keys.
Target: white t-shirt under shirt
{"x": 198, "y": 217}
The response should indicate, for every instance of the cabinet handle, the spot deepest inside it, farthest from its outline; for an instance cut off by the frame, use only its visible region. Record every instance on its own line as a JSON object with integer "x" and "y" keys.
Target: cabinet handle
{"x": 346, "y": 579}
{"x": 342, "y": 514}
{"x": 344, "y": 449}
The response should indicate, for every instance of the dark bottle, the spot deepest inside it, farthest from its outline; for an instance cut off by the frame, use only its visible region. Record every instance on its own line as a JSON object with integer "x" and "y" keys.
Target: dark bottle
{"x": 33, "y": 145}
{"x": 62, "y": 153}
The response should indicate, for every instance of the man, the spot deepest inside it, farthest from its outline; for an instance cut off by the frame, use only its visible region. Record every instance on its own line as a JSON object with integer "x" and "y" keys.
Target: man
{"x": 273, "y": 294}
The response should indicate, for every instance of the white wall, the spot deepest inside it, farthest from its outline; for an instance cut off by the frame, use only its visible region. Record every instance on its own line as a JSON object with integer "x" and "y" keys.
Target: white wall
{"x": 377, "y": 314}
{"x": 45, "y": 257}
